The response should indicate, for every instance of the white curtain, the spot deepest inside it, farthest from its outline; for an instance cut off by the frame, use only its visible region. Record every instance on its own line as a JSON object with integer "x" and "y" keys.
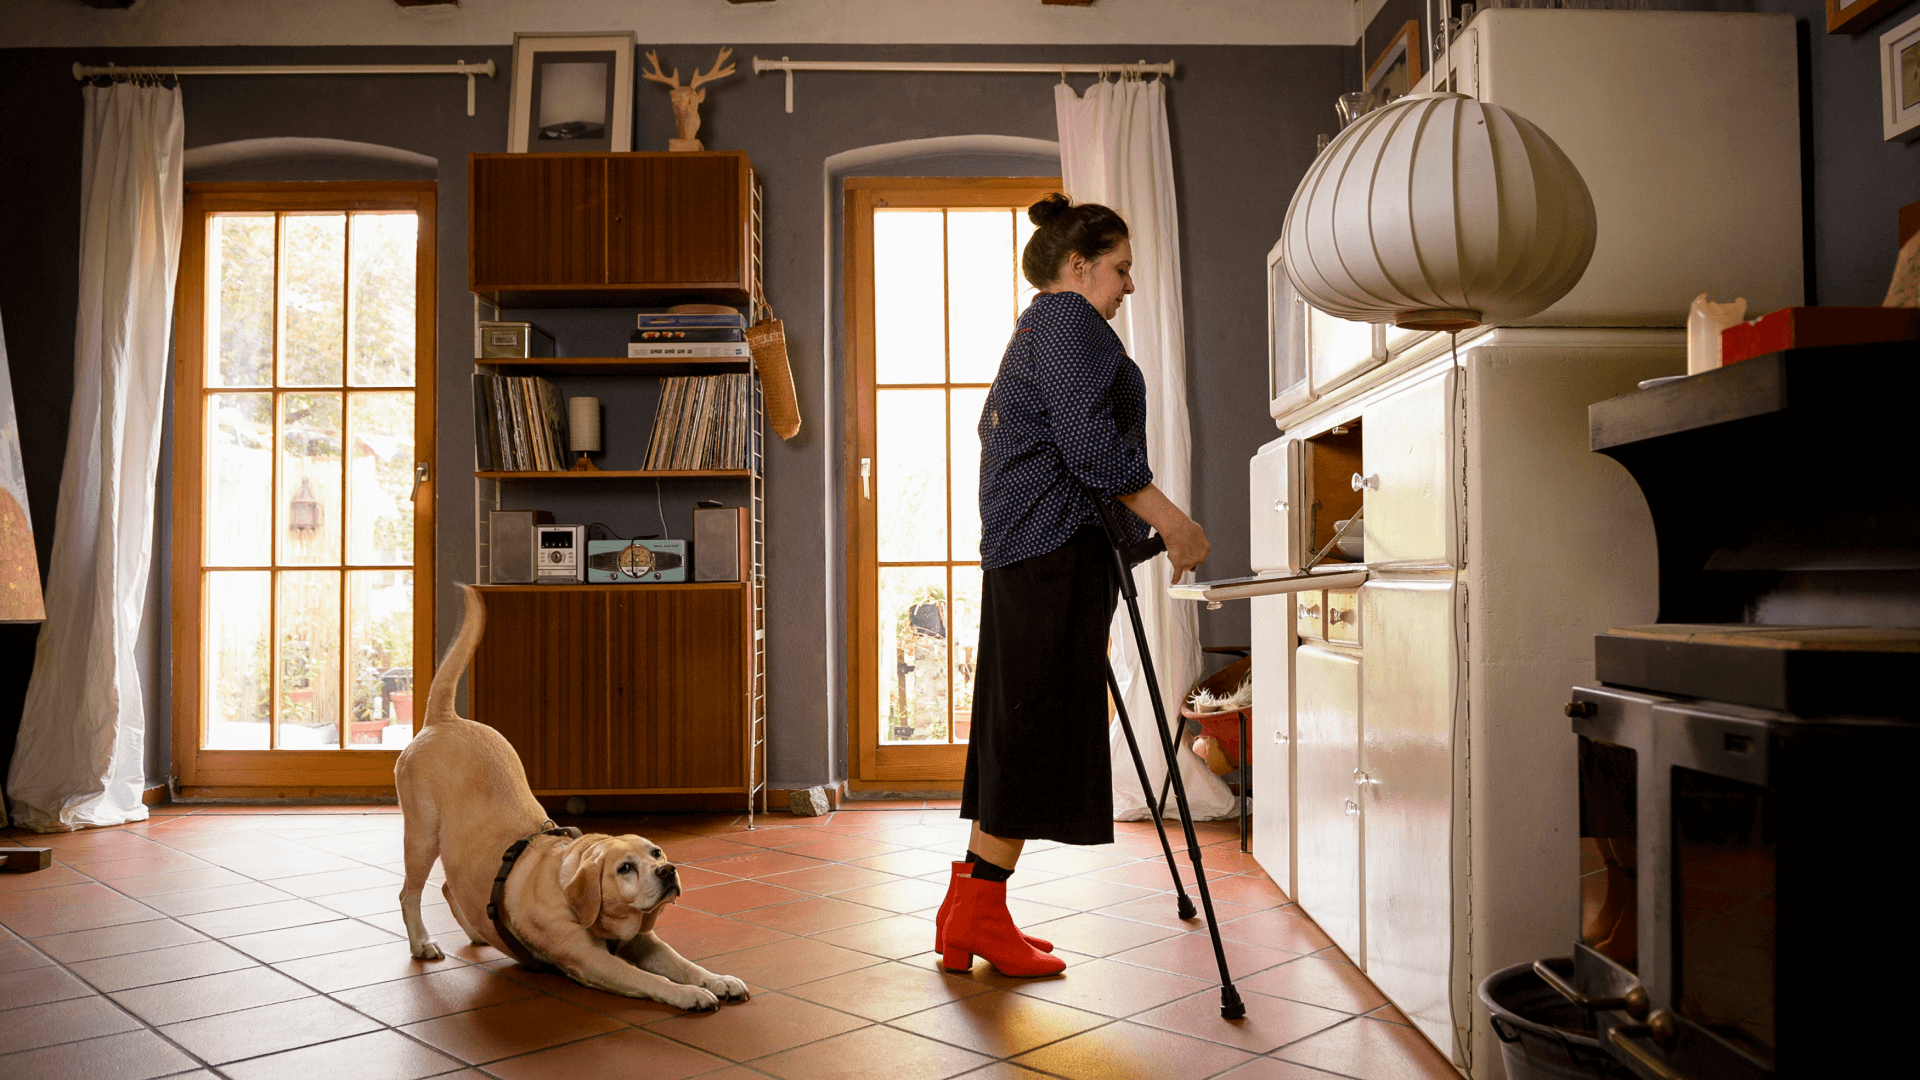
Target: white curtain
{"x": 82, "y": 745}
{"x": 1114, "y": 151}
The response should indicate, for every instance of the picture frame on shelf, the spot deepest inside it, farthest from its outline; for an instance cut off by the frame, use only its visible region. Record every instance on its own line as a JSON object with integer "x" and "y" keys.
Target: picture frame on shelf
{"x": 571, "y": 93}
{"x": 1396, "y": 71}
{"x": 1900, "y": 81}
{"x": 1854, "y": 16}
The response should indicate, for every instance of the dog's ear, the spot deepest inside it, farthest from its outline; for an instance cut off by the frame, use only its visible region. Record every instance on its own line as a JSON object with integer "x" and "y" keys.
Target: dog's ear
{"x": 583, "y": 880}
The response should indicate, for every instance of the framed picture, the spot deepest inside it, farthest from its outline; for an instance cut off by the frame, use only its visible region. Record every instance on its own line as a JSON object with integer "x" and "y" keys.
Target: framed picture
{"x": 1397, "y": 68}
{"x": 1900, "y": 81}
{"x": 1853, "y": 16}
{"x": 571, "y": 92}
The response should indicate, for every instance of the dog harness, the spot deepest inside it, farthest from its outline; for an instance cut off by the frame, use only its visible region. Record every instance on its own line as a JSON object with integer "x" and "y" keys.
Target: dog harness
{"x": 497, "y": 903}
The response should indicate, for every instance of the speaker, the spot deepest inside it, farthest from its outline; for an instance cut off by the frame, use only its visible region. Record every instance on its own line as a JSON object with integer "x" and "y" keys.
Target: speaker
{"x": 510, "y": 547}
{"x": 720, "y": 539}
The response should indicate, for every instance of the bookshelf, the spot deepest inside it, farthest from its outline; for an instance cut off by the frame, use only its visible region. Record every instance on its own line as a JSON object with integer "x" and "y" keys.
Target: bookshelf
{"x": 598, "y": 686}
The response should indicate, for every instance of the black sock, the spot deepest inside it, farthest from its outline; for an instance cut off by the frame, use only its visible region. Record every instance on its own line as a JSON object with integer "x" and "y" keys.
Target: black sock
{"x": 987, "y": 871}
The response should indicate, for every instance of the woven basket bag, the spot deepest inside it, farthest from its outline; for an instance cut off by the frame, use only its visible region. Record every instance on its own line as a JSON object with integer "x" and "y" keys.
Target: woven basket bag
{"x": 768, "y": 340}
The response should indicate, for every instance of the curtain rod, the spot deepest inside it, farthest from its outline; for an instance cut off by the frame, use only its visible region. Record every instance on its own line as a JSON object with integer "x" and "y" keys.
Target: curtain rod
{"x": 790, "y": 66}
{"x": 83, "y": 71}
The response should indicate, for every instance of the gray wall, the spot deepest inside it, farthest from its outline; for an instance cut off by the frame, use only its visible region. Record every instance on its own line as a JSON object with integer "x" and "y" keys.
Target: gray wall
{"x": 1243, "y": 121}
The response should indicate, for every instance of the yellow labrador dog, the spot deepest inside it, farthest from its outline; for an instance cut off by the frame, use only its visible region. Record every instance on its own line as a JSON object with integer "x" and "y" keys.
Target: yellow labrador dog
{"x": 585, "y": 904}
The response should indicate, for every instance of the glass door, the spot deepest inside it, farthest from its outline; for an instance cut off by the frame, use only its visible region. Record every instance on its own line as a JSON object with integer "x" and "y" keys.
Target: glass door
{"x": 303, "y": 420}
{"x": 934, "y": 290}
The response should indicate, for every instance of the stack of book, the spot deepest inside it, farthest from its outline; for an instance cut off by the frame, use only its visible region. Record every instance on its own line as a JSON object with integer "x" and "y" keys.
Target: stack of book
{"x": 519, "y": 424}
{"x": 664, "y": 334}
{"x": 704, "y": 422}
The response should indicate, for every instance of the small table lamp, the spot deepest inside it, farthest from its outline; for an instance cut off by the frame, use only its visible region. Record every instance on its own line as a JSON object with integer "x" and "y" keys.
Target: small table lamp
{"x": 583, "y": 431}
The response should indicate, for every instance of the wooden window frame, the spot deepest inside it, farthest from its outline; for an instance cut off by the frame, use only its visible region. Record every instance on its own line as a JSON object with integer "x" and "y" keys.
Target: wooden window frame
{"x": 302, "y": 773}
{"x": 874, "y": 766}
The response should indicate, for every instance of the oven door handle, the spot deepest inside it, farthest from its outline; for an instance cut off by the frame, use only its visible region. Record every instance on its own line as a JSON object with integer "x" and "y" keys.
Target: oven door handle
{"x": 1213, "y": 592}
{"x": 1621, "y": 1039}
{"x": 1634, "y": 1002}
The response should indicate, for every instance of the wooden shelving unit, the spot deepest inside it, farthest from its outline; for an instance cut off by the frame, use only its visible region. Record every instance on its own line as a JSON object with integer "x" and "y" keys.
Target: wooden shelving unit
{"x": 612, "y": 689}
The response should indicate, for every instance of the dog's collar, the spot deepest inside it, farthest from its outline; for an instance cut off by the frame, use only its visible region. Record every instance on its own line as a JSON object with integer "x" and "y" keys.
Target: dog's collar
{"x": 497, "y": 903}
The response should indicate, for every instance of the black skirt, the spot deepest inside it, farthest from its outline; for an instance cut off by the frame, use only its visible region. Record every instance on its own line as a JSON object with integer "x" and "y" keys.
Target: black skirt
{"x": 1037, "y": 764}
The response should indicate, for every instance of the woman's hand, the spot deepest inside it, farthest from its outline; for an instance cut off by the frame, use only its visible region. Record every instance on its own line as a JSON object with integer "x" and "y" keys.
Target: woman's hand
{"x": 1186, "y": 541}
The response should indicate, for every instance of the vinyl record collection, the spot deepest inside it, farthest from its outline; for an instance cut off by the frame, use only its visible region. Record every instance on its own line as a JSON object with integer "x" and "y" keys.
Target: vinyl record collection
{"x": 704, "y": 422}
{"x": 519, "y": 424}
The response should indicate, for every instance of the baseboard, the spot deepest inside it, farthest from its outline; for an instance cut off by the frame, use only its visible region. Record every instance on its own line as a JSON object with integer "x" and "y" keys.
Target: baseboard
{"x": 293, "y": 796}
{"x": 872, "y": 789}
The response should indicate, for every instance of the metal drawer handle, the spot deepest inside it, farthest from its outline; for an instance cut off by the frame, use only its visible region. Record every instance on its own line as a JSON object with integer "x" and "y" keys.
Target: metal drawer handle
{"x": 1280, "y": 736}
{"x": 1634, "y": 1001}
{"x": 1352, "y": 807}
{"x": 1280, "y": 506}
{"x": 1309, "y": 611}
{"x": 1336, "y": 615}
{"x": 1363, "y": 482}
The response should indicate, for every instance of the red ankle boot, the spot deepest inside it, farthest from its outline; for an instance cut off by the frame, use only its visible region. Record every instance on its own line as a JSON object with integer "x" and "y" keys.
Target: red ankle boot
{"x": 960, "y": 870}
{"x": 980, "y": 925}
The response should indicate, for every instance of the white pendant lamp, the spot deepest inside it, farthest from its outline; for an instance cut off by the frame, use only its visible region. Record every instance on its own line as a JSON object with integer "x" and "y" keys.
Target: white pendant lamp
{"x": 1439, "y": 212}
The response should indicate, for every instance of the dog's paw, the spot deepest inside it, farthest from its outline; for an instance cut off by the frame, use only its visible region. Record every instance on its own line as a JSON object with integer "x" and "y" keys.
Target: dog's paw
{"x": 693, "y": 999}
{"x": 726, "y": 988}
{"x": 429, "y": 951}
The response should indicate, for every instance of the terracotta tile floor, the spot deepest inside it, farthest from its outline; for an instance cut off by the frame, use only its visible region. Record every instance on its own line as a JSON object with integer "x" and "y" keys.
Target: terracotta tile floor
{"x": 263, "y": 943}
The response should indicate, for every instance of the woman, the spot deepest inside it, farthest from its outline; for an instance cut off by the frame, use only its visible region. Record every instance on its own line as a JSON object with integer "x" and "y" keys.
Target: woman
{"x": 1065, "y": 422}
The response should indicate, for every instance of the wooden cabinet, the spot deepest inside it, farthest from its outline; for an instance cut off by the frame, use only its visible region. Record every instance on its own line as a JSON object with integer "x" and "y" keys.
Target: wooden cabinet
{"x": 610, "y": 229}
{"x": 619, "y": 689}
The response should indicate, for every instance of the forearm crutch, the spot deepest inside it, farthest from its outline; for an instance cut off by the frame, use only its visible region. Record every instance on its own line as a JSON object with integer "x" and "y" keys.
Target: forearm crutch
{"x": 1231, "y": 1006}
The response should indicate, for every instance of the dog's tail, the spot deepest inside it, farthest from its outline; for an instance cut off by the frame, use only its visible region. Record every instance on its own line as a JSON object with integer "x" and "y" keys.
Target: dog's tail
{"x": 446, "y": 679}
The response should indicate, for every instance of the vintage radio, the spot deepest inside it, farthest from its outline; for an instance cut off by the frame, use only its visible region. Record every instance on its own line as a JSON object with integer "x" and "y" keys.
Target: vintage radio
{"x": 632, "y": 562}
{"x": 559, "y": 554}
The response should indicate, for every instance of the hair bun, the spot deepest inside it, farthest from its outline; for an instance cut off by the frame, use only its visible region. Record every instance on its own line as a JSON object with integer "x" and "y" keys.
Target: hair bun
{"x": 1048, "y": 209}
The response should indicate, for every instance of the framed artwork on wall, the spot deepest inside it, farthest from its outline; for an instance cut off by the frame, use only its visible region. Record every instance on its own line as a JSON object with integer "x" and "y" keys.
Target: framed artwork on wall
{"x": 1900, "y": 81}
{"x": 571, "y": 92}
{"x": 1396, "y": 70}
{"x": 1853, "y": 16}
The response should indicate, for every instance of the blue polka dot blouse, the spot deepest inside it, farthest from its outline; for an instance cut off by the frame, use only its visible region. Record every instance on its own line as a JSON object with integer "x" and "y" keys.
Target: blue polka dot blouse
{"x": 1067, "y": 412}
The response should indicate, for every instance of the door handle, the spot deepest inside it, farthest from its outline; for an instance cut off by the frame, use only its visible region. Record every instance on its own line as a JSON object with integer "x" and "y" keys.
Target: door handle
{"x": 866, "y": 478}
{"x": 1360, "y": 483}
{"x": 422, "y": 472}
{"x": 1352, "y": 807}
{"x": 1279, "y": 736}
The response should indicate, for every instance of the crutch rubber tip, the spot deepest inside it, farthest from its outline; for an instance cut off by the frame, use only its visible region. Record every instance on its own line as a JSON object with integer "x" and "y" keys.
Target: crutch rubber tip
{"x": 1231, "y": 1007}
{"x": 1187, "y": 910}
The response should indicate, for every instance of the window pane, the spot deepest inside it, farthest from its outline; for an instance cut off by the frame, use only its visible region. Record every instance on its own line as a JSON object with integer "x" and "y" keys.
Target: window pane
{"x": 966, "y": 646}
{"x": 313, "y": 304}
{"x": 239, "y": 687}
{"x": 309, "y": 511}
{"x": 309, "y": 659}
{"x": 236, "y": 523}
{"x": 980, "y": 291}
{"x": 910, "y": 474}
{"x": 909, "y": 307}
{"x": 1022, "y": 232}
{"x": 965, "y": 431}
{"x": 380, "y": 478}
{"x": 240, "y": 319}
{"x": 380, "y": 640}
{"x": 384, "y": 246}
{"x": 913, "y": 654}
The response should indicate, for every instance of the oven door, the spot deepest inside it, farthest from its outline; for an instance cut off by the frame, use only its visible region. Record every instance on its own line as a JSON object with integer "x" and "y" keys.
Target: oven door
{"x": 1346, "y": 576}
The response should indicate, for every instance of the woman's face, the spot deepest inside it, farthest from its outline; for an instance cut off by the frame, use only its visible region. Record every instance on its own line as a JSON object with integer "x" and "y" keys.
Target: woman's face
{"x": 1104, "y": 282}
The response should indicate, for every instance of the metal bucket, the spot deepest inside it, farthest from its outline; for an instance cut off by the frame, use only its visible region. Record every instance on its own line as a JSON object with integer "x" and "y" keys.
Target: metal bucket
{"x": 1542, "y": 1035}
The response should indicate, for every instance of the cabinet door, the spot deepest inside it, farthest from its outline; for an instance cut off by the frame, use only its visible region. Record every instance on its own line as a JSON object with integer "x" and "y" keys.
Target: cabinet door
{"x": 677, "y": 220}
{"x": 677, "y": 688}
{"x": 1273, "y": 526}
{"x": 1407, "y": 765}
{"x": 1326, "y": 755}
{"x": 1410, "y": 473}
{"x": 540, "y": 678}
{"x": 537, "y": 219}
{"x": 1272, "y": 736}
